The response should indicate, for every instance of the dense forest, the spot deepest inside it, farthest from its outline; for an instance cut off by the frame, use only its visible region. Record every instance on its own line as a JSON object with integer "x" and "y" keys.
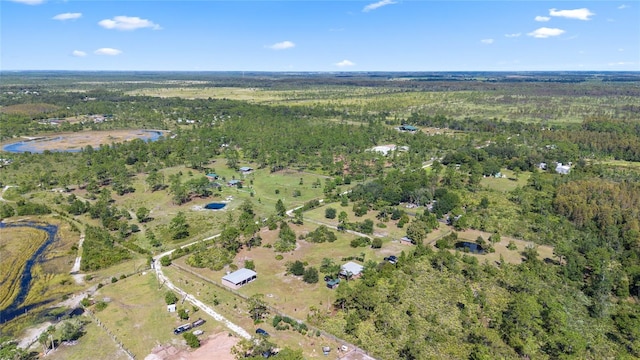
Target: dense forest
{"x": 433, "y": 303}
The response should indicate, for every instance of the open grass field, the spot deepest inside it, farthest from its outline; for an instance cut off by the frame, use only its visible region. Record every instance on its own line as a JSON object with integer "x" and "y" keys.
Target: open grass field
{"x": 137, "y": 314}
{"x": 17, "y": 245}
{"x": 94, "y": 344}
{"x": 508, "y": 183}
{"x": 28, "y": 109}
{"x": 510, "y": 256}
{"x": 533, "y": 105}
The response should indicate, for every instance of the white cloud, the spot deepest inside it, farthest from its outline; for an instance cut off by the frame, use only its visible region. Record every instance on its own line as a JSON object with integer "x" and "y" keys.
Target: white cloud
{"x": 487, "y": 41}
{"x": 78, "y": 53}
{"x": 67, "y": 16}
{"x": 108, "y": 51}
{"x": 515, "y": 35}
{"x": 282, "y": 45}
{"x": 344, "y": 63}
{"x": 378, "y": 4}
{"x": 545, "y": 32}
{"x": 621, "y": 63}
{"x": 579, "y": 14}
{"x": 623, "y": 6}
{"x": 621, "y": 49}
{"x": 128, "y": 23}
{"x": 542, "y": 18}
{"x": 29, "y": 2}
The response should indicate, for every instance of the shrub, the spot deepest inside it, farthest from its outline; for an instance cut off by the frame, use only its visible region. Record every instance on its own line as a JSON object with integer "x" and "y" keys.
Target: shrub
{"x": 376, "y": 243}
{"x": 170, "y": 298}
{"x": 101, "y": 305}
{"x": 512, "y": 245}
{"x": 296, "y": 268}
{"x": 249, "y": 264}
{"x": 360, "y": 242}
{"x": 330, "y": 213}
{"x": 279, "y": 257}
{"x": 165, "y": 260}
{"x": 310, "y": 275}
{"x": 114, "y": 279}
{"x": 191, "y": 340}
{"x": 183, "y": 314}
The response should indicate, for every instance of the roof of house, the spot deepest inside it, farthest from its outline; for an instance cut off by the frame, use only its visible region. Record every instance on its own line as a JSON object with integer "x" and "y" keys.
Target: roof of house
{"x": 351, "y": 268}
{"x": 245, "y": 168}
{"x": 234, "y": 182}
{"x": 239, "y": 275}
{"x": 214, "y": 175}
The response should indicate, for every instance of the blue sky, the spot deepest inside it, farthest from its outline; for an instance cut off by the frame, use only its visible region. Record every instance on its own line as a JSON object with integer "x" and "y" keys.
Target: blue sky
{"x": 386, "y": 35}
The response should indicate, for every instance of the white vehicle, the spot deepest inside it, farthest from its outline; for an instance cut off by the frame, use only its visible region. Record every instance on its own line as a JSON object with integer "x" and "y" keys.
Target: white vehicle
{"x": 198, "y": 332}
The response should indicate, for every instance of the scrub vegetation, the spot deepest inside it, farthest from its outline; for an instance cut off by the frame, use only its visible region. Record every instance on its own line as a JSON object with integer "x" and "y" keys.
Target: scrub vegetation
{"x": 473, "y": 157}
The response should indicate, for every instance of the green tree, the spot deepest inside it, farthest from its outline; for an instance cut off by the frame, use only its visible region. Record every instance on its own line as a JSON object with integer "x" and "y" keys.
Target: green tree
{"x": 310, "y": 275}
{"x": 170, "y": 298}
{"x": 257, "y": 307}
{"x": 142, "y": 214}
{"x": 296, "y": 268}
{"x": 281, "y": 210}
{"x": 191, "y": 340}
{"x": 183, "y": 314}
{"x": 179, "y": 227}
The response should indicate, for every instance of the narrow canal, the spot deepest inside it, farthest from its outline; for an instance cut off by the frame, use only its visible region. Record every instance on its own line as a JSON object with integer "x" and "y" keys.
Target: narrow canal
{"x": 15, "y": 309}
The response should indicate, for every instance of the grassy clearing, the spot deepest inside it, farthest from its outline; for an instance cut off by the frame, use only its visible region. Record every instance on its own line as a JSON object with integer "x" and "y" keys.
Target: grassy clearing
{"x": 510, "y": 256}
{"x": 506, "y": 184}
{"x": 500, "y": 104}
{"x": 17, "y": 245}
{"x": 28, "y": 109}
{"x": 136, "y": 314}
{"x": 95, "y": 344}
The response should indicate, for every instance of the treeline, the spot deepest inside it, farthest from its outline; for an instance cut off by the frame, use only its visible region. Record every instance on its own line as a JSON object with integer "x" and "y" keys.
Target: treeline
{"x": 445, "y": 305}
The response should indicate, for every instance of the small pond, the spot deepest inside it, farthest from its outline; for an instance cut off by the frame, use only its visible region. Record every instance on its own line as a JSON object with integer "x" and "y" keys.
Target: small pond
{"x": 470, "y": 247}
{"x": 215, "y": 206}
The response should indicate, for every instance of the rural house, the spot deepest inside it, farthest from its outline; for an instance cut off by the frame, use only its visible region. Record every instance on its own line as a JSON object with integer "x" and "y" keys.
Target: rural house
{"x": 351, "y": 270}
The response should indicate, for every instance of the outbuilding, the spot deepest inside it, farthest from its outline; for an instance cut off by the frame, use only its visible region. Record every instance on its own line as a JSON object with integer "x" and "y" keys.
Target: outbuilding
{"x": 239, "y": 278}
{"x": 408, "y": 128}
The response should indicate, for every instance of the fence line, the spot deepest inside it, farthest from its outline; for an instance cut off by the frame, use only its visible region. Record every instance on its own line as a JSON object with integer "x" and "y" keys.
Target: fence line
{"x": 274, "y": 310}
{"x": 113, "y": 337}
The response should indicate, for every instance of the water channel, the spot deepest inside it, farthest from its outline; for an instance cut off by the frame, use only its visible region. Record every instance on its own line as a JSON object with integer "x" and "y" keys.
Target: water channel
{"x": 15, "y": 309}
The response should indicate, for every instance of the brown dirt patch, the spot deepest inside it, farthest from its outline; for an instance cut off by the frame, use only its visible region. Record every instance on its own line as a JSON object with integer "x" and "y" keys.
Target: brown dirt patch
{"x": 216, "y": 346}
{"x": 79, "y": 140}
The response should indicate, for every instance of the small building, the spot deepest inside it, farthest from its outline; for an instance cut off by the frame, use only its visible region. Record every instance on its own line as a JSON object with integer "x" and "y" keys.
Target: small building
{"x": 239, "y": 278}
{"x": 405, "y": 240}
{"x": 171, "y": 308}
{"x": 212, "y": 176}
{"x": 351, "y": 270}
{"x": 408, "y": 128}
{"x": 245, "y": 169}
{"x": 563, "y": 169}
{"x": 234, "y": 182}
{"x": 333, "y": 283}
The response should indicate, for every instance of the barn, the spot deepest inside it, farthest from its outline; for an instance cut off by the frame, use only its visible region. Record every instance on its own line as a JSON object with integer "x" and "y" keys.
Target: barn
{"x": 239, "y": 278}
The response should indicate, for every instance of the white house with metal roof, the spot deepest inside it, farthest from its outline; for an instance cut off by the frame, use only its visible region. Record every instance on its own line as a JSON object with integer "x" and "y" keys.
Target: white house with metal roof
{"x": 351, "y": 269}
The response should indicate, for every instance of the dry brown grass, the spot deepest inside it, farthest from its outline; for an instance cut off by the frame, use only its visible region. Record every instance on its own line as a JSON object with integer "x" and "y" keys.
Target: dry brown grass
{"x": 17, "y": 245}
{"x": 28, "y": 109}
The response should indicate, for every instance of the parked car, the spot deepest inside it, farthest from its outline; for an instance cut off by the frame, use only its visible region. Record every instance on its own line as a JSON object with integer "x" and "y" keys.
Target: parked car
{"x": 198, "y": 332}
{"x": 198, "y": 322}
{"x": 181, "y": 329}
{"x": 262, "y": 332}
{"x": 391, "y": 259}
